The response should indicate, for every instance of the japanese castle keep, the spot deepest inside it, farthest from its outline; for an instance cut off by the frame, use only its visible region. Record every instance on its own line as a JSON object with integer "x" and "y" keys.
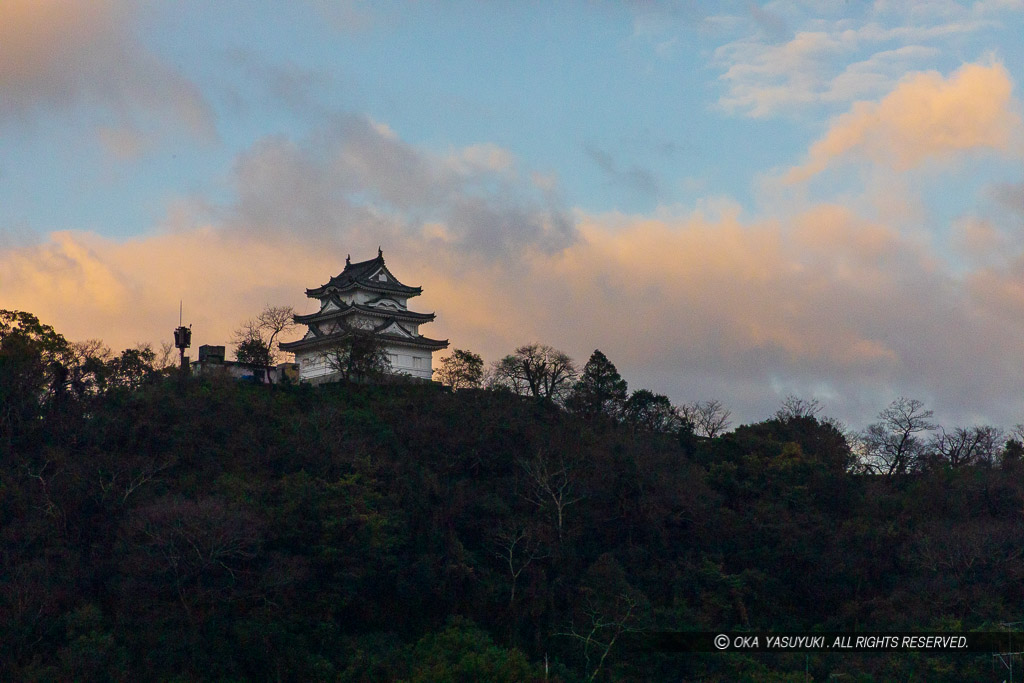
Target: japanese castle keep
{"x": 365, "y": 296}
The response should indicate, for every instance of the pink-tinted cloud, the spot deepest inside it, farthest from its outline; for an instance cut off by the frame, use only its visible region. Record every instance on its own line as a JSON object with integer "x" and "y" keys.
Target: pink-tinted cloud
{"x": 128, "y": 292}
{"x": 927, "y": 118}
{"x": 828, "y": 304}
{"x": 980, "y": 240}
{"x": 59, "y": 55}
{"x": 692, "y": 303}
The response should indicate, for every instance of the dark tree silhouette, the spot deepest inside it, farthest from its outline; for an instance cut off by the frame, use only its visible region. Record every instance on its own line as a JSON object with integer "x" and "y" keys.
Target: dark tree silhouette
{"x": 709, "y": 418}
{"x": 257, "y": 339}
{"x": 794, "y": 407}
{"x": 253, "y": 351}
{"x": 461, "y": 370}
{"x": 357, "y": 355}
{"x": 274, "y": 322}
{"x": 600, "y": 391}
{"x": 965, "y": 446}
{"x": 651, "y": 412}
{"x": 892, "y": 446}
{"x": 536, "y": 370}
{"x": 34, "y": 367}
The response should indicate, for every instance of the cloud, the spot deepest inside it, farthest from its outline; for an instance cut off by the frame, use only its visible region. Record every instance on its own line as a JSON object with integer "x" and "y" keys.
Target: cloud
{"x": 927, "y": 118}
{"x": 874, "y": 75}
{"x": 979, "y": 239}
{"x": 64, "y": 55}
{"x": 122, "y": 143}
{"x": 356, "y": 177}
{"x": 345, "y": 16}
{"x": 829, "y": 300}
{"x": 687, "y": 304}
{"x": 690, "y": 305}
{"x": 771, "y": 24}
{"x": 483, "y": 157}
{"x": 695, "y": 303}
{"x": 762, "y": 78}
{"x": 127, "y": 292}
{"x": 635, "y": 179}
{"x": 829, "y": 61}
{"x": 1011, "y": 196}
{"x": 288, "y": 85}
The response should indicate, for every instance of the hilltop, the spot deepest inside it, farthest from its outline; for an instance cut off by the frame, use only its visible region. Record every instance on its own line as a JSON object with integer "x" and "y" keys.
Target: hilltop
{"x": 214, "y": 530}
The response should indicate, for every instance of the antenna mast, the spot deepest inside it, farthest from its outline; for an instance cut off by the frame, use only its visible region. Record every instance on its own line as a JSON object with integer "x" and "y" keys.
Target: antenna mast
{"x": 182, "y": 338}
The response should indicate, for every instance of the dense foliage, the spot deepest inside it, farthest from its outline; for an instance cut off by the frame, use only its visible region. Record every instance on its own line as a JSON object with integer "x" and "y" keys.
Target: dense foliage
{"x": 171, "y": 528}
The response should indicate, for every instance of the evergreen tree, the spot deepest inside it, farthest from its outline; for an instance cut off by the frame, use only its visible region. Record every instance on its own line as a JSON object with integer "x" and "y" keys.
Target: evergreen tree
{"x": 600, "y": 391}
{"x": 34, "y": 368}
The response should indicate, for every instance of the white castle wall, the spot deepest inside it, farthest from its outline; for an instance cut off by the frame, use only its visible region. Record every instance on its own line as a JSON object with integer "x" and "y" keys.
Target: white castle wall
{"x": 404, "y": 361}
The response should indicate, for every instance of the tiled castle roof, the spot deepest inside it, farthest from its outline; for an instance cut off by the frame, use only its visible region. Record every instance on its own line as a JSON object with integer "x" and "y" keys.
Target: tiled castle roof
{"x": 365, "y": 274}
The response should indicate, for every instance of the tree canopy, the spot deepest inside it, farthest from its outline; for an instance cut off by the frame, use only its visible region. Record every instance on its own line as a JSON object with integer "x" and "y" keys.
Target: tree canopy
{"x": 600, "y": 391}
{"x": 536, "y": 370}
{"x": 357, "y": 354}
{"x": 164, "y": 527}
{"x": 461, "y": 370}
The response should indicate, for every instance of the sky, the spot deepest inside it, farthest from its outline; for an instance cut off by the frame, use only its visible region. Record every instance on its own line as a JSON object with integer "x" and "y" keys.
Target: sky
{"x": 736, "y": 201}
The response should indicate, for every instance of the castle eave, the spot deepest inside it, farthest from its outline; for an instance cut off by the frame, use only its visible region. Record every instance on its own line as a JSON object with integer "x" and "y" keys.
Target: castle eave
{"x": 326, "y": 341}
{"x": 347, "y": 309}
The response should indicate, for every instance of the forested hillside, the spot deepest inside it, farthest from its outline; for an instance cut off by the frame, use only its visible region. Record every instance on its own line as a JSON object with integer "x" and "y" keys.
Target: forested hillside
{"x": 159, "y": 527}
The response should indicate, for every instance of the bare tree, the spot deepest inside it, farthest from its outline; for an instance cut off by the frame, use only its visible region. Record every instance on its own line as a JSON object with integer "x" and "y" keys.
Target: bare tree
{"x": 794, "y": 407}
{"x": 536, "y": 370}
{"x": 966, "y": 446}
{"x": 88, "y": 367}
{"x": 598, "y": 635}
{"x": 200, "y": 545}
{"x": 165, "y": 358}
{"x": 257, "y": 340}
{"x": 272, "y": 323}
{"x": 51, "y": 506}
{"x": 709, "y": 418}
{"x": 1017, "y": 433}
{"x": 608, "y": 607}
{"x": 125, "y": 475}
{"x": 517, "y": 549}
{"x": 91, "y": 348}
{"x": 892, "y": 445}
{"x": 551, "y": 479}
{"x": 958, "y": 551}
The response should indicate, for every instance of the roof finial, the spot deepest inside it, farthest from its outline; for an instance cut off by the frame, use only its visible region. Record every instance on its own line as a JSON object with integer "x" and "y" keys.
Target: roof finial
{"x": 348, "y": 259}
{"x": 380, "y": 252}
